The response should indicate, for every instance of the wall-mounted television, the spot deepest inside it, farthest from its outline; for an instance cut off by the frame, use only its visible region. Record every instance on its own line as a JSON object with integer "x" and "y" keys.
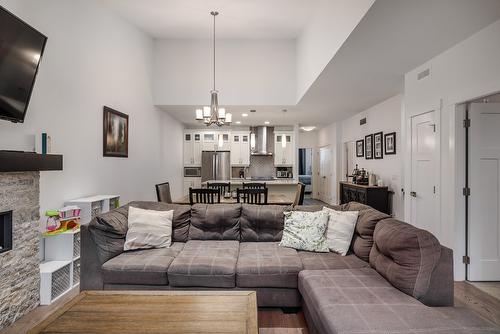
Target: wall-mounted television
{"x": 21, "y": 49}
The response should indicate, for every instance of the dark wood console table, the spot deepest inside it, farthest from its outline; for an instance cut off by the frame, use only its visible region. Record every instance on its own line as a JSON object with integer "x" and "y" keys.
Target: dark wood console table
{"x": 376, "y": 197}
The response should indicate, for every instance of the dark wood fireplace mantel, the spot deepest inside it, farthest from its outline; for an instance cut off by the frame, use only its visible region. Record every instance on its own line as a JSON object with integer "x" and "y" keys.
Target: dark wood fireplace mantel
{"x": 11, "y": 161}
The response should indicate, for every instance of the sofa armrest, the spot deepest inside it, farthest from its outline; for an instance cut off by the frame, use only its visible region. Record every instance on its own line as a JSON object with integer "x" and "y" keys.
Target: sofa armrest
{"x": 90, "y": 271}
{"x": 441, "y": 287}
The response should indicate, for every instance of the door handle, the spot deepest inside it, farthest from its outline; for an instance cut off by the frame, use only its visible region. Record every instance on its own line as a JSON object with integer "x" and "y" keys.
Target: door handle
{"x": 413, "y": 194}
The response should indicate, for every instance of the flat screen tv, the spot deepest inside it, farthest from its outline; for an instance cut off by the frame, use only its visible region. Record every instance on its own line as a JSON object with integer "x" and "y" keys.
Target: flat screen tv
{"x": 21, "y": 49}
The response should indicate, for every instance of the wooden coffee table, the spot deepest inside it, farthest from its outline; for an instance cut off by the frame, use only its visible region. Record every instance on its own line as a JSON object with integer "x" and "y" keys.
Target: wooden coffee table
{"x": 155, "y": 312}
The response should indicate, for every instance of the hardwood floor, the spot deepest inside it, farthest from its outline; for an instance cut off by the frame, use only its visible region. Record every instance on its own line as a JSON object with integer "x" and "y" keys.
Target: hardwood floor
{"x": 483, "y": 303}
{"x": 274, "y": 321}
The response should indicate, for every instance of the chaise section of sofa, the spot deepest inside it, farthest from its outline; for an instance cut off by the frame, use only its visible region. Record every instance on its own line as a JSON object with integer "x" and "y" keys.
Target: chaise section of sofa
{"x": 353, "y": 301}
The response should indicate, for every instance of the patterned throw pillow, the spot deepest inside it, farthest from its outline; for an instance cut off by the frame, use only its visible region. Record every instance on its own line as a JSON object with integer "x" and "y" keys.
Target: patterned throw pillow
{"x": 305, "y": 231}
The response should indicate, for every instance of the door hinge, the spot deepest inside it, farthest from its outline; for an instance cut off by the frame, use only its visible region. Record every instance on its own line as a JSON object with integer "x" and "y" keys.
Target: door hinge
{"x": 466, "y": 259}
{"x": 467, "y": 123}
{"x": 466, "y": 191}
{"x": 434, "y": 189}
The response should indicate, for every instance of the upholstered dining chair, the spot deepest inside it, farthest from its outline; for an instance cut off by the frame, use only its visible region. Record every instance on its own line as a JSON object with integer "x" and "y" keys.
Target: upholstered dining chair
{"x": 252, "y": 195}
{"x": 163, "y": 192}
{"x": 204, "y": 195}
{"x": 299, "y": 194}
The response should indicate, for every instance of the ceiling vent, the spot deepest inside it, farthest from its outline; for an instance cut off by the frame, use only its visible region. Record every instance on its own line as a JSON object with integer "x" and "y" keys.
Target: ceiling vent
{"x": 423, "y": 74}
{"x": 362, "y": 121}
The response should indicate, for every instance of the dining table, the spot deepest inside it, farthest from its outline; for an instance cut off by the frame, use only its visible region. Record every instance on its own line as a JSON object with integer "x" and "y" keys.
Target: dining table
{"x": 272, "y": 199}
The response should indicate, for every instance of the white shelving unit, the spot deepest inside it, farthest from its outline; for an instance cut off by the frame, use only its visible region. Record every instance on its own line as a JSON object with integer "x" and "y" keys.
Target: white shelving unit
{"x": 61, "y": 269}
{"x": 94, "y": 205}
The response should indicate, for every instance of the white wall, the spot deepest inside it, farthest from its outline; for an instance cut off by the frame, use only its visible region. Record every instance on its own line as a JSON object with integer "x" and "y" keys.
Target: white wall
{"x": 331, "y": 24}
{"x": 469, "y": 70}
{"x": 385, "y": 117}
{"x": 249, "y": 72}
{"x": 94, "y": 58}
{"x": 308, "y": 139}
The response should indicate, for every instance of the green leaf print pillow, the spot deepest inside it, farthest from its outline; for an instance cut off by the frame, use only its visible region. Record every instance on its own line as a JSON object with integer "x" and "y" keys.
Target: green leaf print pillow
{"x": 305, "y": 231}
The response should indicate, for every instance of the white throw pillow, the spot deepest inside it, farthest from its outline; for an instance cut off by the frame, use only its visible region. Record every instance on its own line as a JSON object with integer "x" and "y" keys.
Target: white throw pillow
{"x": 340, "y": 230}
{"x": 148, "y": 229}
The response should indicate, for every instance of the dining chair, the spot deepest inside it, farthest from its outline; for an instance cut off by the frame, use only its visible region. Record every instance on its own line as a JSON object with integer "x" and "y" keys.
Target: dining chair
{"x": 299, "y": 194}
{"x": 223, "y": 187}
{"x": 204, "y": 195}
{"x": 163, "y": 192}
{"x": 252, "y": 195}
{"x": 254, "y": 185}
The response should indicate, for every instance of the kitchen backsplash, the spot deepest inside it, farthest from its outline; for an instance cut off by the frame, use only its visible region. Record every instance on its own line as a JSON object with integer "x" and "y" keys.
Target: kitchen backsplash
{"x": 261, "y": 166}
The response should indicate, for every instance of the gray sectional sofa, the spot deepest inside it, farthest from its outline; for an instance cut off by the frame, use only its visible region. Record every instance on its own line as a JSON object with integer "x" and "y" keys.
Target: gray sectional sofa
{"x": 396, "y": 279}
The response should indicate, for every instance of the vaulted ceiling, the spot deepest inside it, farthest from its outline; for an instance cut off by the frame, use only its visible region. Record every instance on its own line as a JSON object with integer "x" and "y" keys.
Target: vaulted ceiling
{"x": 252, "y": 19}
{"x": 392, "y": 38}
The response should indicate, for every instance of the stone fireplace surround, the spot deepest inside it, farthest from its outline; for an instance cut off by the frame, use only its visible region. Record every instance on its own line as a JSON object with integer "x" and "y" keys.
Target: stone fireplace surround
{"x": 19, "y": 267}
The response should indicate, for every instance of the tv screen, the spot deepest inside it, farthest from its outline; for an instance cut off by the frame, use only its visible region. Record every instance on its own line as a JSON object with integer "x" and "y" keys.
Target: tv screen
{"x": 21, "y": 48}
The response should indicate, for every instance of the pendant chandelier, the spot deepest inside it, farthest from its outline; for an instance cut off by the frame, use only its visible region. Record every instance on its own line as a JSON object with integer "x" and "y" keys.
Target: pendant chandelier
{"x": 214, "y": 114}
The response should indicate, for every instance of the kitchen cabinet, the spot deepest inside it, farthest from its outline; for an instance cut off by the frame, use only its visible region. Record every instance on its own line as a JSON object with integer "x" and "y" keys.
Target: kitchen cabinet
{"x": 209, "y": 141}
{"x": 224, "y": 139}
{"x": 191, "y": 182}
{"x": 284, "y": 149}
{"x": 192, "y": 148}
{"x": 240, "y": 149}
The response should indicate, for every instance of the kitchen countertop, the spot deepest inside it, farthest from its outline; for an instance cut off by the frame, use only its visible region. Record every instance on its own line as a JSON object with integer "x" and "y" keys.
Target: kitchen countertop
{"x": 278, "y": 182}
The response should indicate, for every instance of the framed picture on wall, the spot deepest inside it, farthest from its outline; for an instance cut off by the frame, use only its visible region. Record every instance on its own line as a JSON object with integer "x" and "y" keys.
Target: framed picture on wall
{"x": 390, "y": 143}
{"x": 115, "y": 133}
{"x": 369, "y": 147}
{"x": 360, "y": 148}
{"x": 378, "y": 145}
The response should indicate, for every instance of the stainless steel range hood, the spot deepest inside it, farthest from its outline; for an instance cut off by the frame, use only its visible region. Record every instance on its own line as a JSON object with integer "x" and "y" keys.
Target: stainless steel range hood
{"x": 264, "y": 140}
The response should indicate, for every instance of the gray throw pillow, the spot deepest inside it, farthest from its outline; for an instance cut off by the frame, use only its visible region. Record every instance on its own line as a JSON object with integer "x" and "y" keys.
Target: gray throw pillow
{"x": 305, "y": 231}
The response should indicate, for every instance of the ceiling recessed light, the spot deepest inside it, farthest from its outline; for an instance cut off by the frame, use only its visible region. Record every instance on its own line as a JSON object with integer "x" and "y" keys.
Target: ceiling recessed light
{"x": 307, "y": 128}
{"x": 266, "y": 122}
{"x": 244, "y": 115}
{"x": 238, "y": 122}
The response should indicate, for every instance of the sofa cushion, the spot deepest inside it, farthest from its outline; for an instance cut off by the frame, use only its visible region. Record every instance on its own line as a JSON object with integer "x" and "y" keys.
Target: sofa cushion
{"x": 215, "y": 222}
{"x": 405, "y": 255}
{"x": 361, "y": 301}
{"x": 108, "y": 230}
{"x": 262, "y": 222}
{"x": 209, "y": 263}
{"x": 323, "y": 261}
{"x": 367, "y": 220}
{"x": 145, "y": 266}
{"x": 266, "y": 264}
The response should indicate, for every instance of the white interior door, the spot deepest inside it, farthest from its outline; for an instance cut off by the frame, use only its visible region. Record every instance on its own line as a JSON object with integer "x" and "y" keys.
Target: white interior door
{"x": 325, "y": 173}
{"x": 484, "y": 183}
{"x": 424, "y": 174}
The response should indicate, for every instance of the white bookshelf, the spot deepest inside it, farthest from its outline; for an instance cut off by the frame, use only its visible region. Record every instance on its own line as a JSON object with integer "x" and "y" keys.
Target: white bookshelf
{"x": 94, "y": 205}
{"x": 61, "y": 269}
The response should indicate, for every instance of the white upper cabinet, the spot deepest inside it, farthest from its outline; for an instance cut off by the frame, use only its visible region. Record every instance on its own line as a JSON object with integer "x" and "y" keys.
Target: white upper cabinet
{"x": 192, "y": 148}
{"x": 240, "y": 148}
{"x": 284, "y": 149}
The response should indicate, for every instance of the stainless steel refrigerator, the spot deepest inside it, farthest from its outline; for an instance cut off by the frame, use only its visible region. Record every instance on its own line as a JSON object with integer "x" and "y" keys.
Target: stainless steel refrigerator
{"x": 215, "y": 166}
